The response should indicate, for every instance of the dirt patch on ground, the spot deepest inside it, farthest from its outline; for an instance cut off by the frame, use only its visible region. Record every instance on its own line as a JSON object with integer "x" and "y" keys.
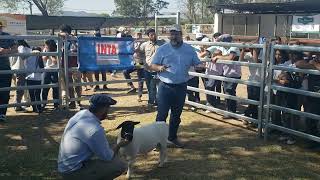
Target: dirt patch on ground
{"x": 216, "y": 148}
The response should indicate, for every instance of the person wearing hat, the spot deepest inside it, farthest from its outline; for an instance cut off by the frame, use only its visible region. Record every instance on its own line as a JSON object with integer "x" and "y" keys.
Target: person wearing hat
{"x": 172, "y": 61}
{"x": 84, "y": 138}
{"x": 213, "y": 69}
{"x": 229, "y": 71}
{"x": 7, "y": 46}
{"x": 149, "y": 48}
{"x": 199, "y": 36}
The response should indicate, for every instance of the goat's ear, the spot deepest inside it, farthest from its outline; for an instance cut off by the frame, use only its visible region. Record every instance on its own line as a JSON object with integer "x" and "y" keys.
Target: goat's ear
{"x": 120, "y": 126}
{"x": 135, "y": 123}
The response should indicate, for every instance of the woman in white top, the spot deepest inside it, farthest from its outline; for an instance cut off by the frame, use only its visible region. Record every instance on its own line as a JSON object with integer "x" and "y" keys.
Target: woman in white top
{"x": 32, "y": 64}
{"x": 19, "y": 64}
{"x": 50, "y": 77}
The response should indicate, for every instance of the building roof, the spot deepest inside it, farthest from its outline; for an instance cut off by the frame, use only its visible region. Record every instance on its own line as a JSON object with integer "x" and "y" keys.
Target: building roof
{"x": 296, "y": 7}
{"x": 81, "y": 23}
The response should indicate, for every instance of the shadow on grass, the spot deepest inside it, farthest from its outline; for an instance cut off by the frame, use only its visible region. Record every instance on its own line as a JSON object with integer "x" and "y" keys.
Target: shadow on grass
{"x": 213, "y": 152}
{"x": 29, "y": 147}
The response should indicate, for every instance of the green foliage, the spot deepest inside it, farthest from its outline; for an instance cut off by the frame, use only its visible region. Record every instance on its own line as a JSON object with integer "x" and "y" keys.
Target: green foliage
{"x": 139, "y": 8}
{"x": 46, "y": 7}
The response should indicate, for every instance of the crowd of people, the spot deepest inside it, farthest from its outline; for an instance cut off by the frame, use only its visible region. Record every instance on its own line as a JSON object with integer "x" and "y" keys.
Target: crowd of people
{"x": 144, "y": 55}
{"x": 303, "y": 81}
{"x": 164, "y": 67}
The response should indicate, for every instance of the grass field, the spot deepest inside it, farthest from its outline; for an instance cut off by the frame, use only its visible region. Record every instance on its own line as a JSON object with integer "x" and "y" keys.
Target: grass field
{"x": 215, "y": 149}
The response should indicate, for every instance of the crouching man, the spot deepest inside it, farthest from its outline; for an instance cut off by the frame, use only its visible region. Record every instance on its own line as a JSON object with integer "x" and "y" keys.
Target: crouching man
{"x": 84, "y": 150}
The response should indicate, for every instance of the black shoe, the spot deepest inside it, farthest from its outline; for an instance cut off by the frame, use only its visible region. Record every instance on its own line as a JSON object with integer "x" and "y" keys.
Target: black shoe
{"x": 132, "y": 90}
{"x": 97, "y": 88}
{"x": 72, "y": 105}
{"x": 20, "y": 109}
{"x": 105, "y": 88}
{"x": 175, "y": 143}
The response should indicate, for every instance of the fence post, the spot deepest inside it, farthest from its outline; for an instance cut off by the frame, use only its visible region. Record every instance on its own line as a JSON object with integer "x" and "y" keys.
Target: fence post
{"x": 66, "y": 71}
{"x": 269, "y": 83}
{"x": 262, "y": 86}
{"x": 60, "y": 72}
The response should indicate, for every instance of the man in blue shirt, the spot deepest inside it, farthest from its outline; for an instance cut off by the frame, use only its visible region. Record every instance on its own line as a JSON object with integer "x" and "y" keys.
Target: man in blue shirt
{"x": 172, "y": 61}
{"x": 7, "y": 46}
{"x": 84, "y": 138}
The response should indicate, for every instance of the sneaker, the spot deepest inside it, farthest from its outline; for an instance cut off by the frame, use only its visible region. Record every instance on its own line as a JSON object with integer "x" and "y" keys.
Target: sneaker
{"x": 283, "y": 138}
{"x": 20, "y": 109}
{"x": 97, "y": 88}
{"x": 226, "y": 117}
{"x": 139, "y": 99}
{"x": 113, "y": 74}
{"x": 175, "y": 143}
{"x": 105, "y": 87}
{"x": 291, "y": 141}
{"x": 253, "y": 125}
{"x": 193, "y": 109}
{"x": 72, "y": 105}
{"x": 132, "y": 90}
{"x": 246, "y": 123}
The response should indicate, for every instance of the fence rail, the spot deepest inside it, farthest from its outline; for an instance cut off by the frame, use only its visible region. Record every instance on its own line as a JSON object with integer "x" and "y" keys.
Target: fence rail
{"x": 265, "y": 107}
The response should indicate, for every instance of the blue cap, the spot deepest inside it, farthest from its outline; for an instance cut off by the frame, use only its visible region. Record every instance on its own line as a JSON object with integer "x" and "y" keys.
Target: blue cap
{"x": 99, "y": 100}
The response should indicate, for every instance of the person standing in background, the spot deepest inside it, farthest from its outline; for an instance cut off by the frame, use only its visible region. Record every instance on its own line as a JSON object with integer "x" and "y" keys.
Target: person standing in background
{"x": 51, "y": 77}
{"x": 23, "y": 47}
{"x": 97, "y": 73}
{"x": 7, "y": 46}
{"x": 149, "y": 48}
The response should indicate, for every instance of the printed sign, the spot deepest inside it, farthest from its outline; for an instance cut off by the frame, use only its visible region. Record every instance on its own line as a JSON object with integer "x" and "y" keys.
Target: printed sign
{"x": 105, "y": 53}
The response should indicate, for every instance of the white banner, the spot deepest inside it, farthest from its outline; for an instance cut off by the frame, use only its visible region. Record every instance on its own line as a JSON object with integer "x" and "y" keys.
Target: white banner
{"x": 15, "y": 24}
{"x": 306, "y": 24}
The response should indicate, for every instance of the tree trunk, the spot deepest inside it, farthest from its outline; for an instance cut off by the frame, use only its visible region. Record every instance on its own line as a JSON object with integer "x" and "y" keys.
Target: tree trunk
{"x": 41, "y": 7}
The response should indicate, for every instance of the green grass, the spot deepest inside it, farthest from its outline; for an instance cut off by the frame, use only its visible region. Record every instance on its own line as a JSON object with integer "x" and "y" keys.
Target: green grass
{"x": 215, "y": 149}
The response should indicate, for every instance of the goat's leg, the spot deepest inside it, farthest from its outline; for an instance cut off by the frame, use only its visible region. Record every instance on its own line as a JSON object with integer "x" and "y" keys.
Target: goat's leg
{"x": 163, "y": 155}
{"x": 130, "y": 164}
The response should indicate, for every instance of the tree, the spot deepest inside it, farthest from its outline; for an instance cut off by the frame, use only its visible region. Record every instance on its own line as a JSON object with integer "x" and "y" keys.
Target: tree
{"x": 139, "y": 8}
{"x": 46, "y": 7}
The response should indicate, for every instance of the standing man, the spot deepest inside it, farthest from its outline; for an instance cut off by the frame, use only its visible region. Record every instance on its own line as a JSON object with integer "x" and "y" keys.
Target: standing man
{"x": 149, "y": 48}
{"x": 7, "y": 46}
{"x": 172, "y": 61}
{"x": 102, "y": 72}
{"x": 83, "y": 138}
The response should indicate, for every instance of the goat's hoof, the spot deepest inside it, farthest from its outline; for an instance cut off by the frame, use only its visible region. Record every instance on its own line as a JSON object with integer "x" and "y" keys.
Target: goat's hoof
{"x": 161, "y": 165}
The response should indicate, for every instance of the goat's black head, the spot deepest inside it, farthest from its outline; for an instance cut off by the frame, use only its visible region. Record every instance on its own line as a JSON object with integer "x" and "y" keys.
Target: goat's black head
{"x": 127, "y": 128}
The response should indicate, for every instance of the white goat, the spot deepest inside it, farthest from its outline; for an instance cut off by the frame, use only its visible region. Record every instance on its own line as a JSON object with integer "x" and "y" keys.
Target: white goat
{"x": 143, "y": 140}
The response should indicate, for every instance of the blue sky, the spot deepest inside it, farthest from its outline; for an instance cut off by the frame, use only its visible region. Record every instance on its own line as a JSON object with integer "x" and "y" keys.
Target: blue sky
{"x": 95, "y": 6}
{"x": 100, "y": 6}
